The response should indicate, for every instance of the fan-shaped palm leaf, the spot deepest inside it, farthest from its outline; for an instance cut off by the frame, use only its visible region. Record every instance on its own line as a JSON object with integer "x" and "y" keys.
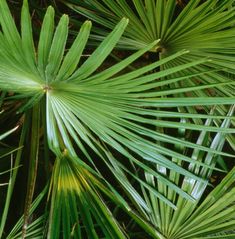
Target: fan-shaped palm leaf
{"x": 205, "y": 219}
{"x": 74, "y": 190}
{"x": 198, "y": 27}
{"x": 109, "y": 111}
{"x": 206, "y": 29}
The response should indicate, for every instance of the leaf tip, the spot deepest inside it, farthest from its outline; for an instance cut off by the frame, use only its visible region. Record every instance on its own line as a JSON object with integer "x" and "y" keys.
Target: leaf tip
{"x": 185, "y": 51}
{"x": 88, "y": 23}
{"x": 125, "y": 20}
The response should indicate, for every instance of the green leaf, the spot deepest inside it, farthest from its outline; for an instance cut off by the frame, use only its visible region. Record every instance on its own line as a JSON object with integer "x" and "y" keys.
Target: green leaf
{"x": 57, "y": 49}
{"x": 27, "y": 35}
{"x": 104, "y": 49}
{"x": 73, "y": 56}
{"x": 45, "y": 39}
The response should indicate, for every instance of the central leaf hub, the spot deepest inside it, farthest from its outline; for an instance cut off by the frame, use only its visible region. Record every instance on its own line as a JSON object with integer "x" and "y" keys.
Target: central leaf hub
{"x": 47, "y": 88}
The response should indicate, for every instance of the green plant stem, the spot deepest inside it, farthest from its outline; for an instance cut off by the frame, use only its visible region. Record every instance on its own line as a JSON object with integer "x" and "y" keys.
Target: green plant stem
{"x": 13, "y": 178}
{"x": 34, "y": 150}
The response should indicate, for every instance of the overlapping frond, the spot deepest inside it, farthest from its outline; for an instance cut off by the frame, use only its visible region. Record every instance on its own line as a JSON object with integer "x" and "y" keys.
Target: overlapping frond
{"x": 106, "y": 114}
{"x": 188, "y": 221}
{"x": 205, "y": 29}
{"x": 76, "y": 204}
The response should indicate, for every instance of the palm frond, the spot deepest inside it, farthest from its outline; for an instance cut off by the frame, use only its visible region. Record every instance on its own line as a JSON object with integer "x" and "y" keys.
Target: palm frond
{"x": 172, "y": 223}
{"x": 77, "y": 206}
{"x": 99, "y": 114}
{"x": 86, "y": 108}
{"x": 206, "y": 29}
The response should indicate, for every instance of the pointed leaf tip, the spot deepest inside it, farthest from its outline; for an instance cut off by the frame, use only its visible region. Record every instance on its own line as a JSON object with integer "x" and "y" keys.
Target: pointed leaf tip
{"x": 185, "y": 51}
{"x": 65, "y": 16}
{"x": 125, "y": 20}
{"x": 88, "y": 23}
{"x": 50, "y": 7}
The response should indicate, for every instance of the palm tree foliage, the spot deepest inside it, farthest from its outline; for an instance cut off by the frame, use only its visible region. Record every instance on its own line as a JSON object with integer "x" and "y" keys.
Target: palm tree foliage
{"x": 205, "y": 28}
{"x": 200, "y": 219}
{"x": 198, "y": 27}
{"x": 212, "y": 218}
{"x": 77, "y": 118}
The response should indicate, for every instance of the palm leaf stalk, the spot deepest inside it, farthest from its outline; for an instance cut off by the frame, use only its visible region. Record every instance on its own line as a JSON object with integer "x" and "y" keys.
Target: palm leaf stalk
{"x": 106, "y": 111}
